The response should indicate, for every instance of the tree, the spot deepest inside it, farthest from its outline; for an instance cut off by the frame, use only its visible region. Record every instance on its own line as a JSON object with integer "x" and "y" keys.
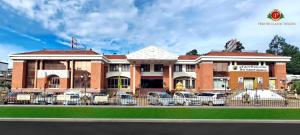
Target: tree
{"x": 234, "y": 45}
{"x": 278, "y": 46}
{"x": 192, "y": 52}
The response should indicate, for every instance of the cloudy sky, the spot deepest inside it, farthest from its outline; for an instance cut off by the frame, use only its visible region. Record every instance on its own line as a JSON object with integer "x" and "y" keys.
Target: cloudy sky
{"x": 122, "y": 26}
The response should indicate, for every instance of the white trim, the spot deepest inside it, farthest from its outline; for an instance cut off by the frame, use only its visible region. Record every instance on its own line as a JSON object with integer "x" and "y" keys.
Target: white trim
{"x": 60, "y": 73}
{"x": 245, "y": 58}
{"x": 58, "y": 57}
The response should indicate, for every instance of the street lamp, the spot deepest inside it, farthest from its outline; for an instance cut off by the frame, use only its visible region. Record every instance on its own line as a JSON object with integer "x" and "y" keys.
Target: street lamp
{"x": 85, "y": 78}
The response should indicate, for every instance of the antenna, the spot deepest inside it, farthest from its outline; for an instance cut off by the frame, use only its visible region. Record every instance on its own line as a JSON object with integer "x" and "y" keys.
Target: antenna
{"x": 74, "y": 43}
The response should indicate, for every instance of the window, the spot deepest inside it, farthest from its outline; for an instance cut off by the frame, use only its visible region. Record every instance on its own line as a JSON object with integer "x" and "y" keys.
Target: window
{"x": 53, "y": 81}
{"x": 145, "y": 67}
{"x": 54, "y": 65}
{"x": 220, "y": 84}
{"x": 125, "y": 67}
{"x": 113, "y": 67}
{"x": 178, "y": 68}
{"x": 188, "y": 83}
{"x": 113, "y": 82}
{"x": 30, "y": 74}
{"x": 190, "y": 68}
{"x": 158, "y": 68}
{"x": 220, "y": 66}
{"x": 82, "y": 74}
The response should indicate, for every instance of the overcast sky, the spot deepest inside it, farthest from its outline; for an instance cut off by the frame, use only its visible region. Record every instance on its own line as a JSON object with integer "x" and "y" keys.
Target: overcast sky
{"x": 122, "y": 26}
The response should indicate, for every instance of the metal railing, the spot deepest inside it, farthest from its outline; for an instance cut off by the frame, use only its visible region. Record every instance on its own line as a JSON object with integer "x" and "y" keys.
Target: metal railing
{"x": 146, "y": 101}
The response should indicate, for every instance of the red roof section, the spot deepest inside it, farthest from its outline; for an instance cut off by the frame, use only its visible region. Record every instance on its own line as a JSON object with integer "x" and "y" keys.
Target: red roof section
{"x": 116, "y": 56}
{"x": 186, "y": 57}
{"x": 237, "y": 54}
{"x": 60, "y": 52}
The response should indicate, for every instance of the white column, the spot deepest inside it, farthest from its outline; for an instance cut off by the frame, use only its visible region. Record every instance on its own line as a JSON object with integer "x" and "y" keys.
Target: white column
{"x": 134, "y": 70}
{"x": 170, "y": 76}
{"x": 72, "y": 74}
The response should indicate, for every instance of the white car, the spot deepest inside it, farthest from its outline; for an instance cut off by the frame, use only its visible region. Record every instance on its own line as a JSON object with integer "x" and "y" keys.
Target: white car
{"x": 186, "y": 98}
{"x": 160, "y": 98}
{"x": 47, "y": 99}
{"x": 211, "y": 98}
{"x": 101, "y": 98}
{"x": 125, "y": 99}
{"x": 73, "y": 100}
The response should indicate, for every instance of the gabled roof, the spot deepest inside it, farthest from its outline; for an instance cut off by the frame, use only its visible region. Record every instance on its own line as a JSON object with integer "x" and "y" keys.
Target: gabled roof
{"x": 186, "y": 57}
{"x": 237, "y": 54}
{"x": 116, "y": 56}
{"x": 152, "y": 53}
{"x": 60, "y": 52}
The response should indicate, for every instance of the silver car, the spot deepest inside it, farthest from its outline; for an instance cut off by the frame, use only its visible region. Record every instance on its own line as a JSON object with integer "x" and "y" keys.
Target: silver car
{"x": 125, "y": 99}
{"x": 160, "y": 98}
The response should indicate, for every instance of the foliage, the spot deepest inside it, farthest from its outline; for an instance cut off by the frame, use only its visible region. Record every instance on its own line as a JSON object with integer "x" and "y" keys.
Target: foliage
{"x": 192, "y": 52}
{"x": 296, "y": 86}
{"x": 239, "y": 46}
{"x": 278, "y": 46}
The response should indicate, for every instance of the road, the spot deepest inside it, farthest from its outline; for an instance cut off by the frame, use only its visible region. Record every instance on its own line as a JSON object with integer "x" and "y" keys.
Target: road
{"x": 142, "y": 128}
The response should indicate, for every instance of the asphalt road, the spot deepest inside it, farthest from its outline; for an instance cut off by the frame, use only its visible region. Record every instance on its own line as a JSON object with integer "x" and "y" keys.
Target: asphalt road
{"x": 125, "y": 128}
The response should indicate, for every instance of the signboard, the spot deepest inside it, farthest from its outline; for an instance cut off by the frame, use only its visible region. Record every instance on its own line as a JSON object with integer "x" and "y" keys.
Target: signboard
{"x": 101, "y": 99}
{"x": 23, "y": 97}
{"x": 63, "y": 97}
{"x": 249, "y": 68}
{"x": 240, "y": 80}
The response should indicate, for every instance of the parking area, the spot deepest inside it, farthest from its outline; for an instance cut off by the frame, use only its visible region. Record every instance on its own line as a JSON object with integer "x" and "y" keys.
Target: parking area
{"x": 179, "y": 98}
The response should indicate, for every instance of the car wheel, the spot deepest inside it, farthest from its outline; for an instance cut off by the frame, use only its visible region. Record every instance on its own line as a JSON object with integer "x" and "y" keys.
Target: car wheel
{"x": 210, "y": 104}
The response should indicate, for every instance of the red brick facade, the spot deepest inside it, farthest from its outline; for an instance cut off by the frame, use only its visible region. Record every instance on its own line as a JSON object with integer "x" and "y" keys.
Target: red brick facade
{"x": 98, "y": 69}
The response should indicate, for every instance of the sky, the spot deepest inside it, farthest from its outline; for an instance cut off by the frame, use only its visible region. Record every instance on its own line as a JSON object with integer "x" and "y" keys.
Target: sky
{"x": 124, "y": 26}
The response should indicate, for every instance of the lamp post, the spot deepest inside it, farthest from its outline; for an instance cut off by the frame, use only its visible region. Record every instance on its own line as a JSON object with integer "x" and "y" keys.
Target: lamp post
{"x": 85, "y": 79}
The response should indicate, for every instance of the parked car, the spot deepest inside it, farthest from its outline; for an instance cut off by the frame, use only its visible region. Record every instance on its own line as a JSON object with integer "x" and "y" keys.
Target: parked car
{"x": 101, "y": 98}
{"x": 44, "y": 99}
{"x": 73, "y": 100}
{"x": 11, "y": 98}
{"x": 125, "y": 99}
{"x": 160, "y": 98}
{"x": 211, "y": 98}
{"x": 186, "y": 98}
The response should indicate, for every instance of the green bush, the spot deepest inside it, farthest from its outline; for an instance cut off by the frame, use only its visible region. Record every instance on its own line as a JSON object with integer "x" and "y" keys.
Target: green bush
{"x": 296, "y": 85}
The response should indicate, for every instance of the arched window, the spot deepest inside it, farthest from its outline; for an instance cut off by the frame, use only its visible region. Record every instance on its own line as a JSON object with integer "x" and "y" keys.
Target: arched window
{"x": 53, "y": 81}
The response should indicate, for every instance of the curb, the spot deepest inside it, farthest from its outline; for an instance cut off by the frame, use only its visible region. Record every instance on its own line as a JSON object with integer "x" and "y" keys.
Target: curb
{"x": 91, "y": 120}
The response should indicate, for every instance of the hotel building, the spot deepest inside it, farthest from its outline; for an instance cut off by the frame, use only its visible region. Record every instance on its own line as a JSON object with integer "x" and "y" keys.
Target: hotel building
{"x": 148, "y": 69}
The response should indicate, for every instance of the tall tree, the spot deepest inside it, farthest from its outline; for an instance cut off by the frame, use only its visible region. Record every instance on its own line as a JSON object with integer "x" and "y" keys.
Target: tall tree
{"x": 278, "y": 46}
{"x": 234, "y": 45}
{"x": 192, "y": 52}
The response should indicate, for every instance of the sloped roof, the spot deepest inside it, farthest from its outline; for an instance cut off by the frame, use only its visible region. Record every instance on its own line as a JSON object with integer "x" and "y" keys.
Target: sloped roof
{"x": 152, "y": 53}
{"x": 116, "y": 56}
{"x": 237, "y": 54}
{"x": 186, "y": 57}
{"x": 60, "y": 52}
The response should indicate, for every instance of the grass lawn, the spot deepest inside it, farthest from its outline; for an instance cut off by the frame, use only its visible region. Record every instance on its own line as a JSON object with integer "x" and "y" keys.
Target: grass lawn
{"x": 160, "y": 113}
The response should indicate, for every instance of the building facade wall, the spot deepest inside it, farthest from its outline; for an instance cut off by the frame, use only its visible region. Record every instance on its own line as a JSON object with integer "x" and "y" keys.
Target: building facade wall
{"x": 97, "y": 75}
{"x": 235, "y": 85}
{"x": 206, "y": 76}
{"x": 280, "y": 75}
{"x": 18, "y": 75}
{"x": 166, "y": 76}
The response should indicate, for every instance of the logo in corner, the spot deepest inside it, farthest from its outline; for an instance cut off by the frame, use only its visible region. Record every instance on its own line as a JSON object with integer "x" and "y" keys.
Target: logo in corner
{"x": 275, "y": 15}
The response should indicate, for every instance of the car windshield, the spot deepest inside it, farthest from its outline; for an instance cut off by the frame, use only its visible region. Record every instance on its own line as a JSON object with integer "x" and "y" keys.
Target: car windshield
{"x": 126, "y": 97}
{"x": 220, "y": 95}
{"x": 165, "y": 96}
{"x": 74, "y": 96}
{"x": 188, "y": 95}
